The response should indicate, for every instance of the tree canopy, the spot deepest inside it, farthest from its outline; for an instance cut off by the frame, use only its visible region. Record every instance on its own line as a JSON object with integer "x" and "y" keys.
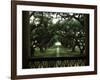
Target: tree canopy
{"x": 49, "y": 27}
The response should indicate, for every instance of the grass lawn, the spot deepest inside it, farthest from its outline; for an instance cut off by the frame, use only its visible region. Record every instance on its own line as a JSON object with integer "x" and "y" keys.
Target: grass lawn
{"x": 52, "y": 52}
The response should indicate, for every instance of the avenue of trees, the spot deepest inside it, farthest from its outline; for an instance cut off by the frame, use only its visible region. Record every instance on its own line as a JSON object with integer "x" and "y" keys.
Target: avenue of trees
{"x": 43, "y": 29}
{"x": 68, "y": 28}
